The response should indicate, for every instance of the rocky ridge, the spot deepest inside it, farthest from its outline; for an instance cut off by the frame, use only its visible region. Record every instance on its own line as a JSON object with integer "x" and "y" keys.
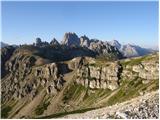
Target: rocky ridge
{"x": 108, "y": 75}
{"x": 98, "y": 46}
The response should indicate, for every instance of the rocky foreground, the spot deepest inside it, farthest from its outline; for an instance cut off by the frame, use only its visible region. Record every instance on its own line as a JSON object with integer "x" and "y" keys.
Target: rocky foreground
{"x": 142, "y": 107}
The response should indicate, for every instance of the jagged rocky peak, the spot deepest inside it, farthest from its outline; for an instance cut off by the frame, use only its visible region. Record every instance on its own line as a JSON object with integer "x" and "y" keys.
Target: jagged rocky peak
{"x": 103, "y": 48}
{"x": 70, "y": 39}
{"x": 38, "y": 41}
{"x": 54, "y": 42}
{"x": 41, "y": 43}
{"x": 84, "y": 41}
{"x": 115, "y": 43}
{"x": 130, "y": 50}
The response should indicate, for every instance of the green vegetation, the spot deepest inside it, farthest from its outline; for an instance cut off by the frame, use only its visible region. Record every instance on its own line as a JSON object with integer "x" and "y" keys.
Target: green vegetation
{"x": 41, "y": 107}
{"x": 108, "y": 57}
{"x": 133, "y": 61}
{"x": 5, "y": 111}
{"x": 56, "y": 115}
{"x": 73, "y": 92}
{"x": 84, "y": 97}
{"x": 100, "y": 63}
{"x": 90, "y": 78}
{"x": 84, "y": 76}
{"x": 87, "y": 97}
{"x": 92, "y": 64}
{"x": 94, "y": 95}
{"x": 17, "y": 111}
{"x": 138, "y": 60}
{"x": 130, "y": 89}
{"x": 6, "y": 108}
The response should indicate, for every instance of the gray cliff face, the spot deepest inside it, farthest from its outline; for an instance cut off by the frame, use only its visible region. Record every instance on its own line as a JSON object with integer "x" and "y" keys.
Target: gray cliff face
{"x": 6, "y": 53}
{"x": 25, "y": 78}
{"x": 109, "y": 75}
{"x": 145, "y": 70}
{"x": 70, "y": 39}
{"x": 98, "y": 47}
{"x": 84, "y": 41}
{"x": 99, "y": 77}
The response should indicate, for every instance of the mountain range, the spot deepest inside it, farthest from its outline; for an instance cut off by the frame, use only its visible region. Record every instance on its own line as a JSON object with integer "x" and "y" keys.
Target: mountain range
{"x": 52, "y": 80}
{"x": 71, "y": 39}
{"x": 3, "y": 44}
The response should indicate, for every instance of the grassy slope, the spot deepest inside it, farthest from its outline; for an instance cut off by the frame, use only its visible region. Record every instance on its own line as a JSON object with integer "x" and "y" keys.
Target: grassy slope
{"x": 81, "y": 99}
{"x": 84, "y": 99}
{"x": 127, "y": 91}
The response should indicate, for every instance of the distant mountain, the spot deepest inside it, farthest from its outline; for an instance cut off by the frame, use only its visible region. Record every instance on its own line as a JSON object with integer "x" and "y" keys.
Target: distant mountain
{"x": 99, "y": 47}
{"x": 70, "y": 39}
{"x": 4, "y": 44}
{"x": 116, "y": 44}
{"x": 54, "y": 42}
{"x": 108, "y": 48}
{"x": 129, "y": 50}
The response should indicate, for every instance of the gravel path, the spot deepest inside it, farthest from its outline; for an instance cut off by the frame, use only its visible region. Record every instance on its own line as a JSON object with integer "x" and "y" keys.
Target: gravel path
{"x": 142, "y": 107}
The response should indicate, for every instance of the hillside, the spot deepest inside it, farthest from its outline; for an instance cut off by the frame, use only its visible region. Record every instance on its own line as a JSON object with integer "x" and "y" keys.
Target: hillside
{"x": 142, "y": 107}
{"x": 48, "y": 80}
{"x": 37, "y": 86}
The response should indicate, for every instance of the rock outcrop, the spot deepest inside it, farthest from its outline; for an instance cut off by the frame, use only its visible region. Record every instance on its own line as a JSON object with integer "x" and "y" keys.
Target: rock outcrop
{"x": 109, "y": 75}
{"x": 25, "y": 78}
{"x": 99, "y": 76}
{"x": 146, "y": 70}
{"x": 6, "y": 53}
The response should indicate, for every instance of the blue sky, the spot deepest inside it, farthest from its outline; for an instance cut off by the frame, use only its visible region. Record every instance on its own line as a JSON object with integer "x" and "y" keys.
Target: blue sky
{"x": 128, "y": 22}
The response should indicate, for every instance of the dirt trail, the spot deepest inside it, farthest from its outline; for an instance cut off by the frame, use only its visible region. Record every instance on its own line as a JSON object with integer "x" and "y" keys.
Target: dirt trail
{"x": 100, "y": 102}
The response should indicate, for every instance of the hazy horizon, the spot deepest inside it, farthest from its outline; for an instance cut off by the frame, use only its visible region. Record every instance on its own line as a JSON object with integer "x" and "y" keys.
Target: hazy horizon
{"x": 127, "y": 22}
